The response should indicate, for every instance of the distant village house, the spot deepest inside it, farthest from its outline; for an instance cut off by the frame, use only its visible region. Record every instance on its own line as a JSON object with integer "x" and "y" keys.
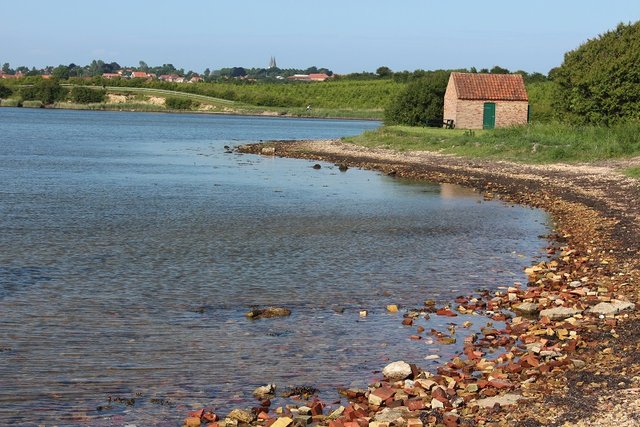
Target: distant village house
{"x": 317, "y": 77}
{"x": 486, "y": 101}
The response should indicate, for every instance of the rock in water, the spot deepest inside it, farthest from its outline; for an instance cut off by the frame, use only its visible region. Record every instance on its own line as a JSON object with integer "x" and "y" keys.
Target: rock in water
{"x": 268, "y": 312}
{"x": 397, "y": 371}
{"x": 264, "y": 391}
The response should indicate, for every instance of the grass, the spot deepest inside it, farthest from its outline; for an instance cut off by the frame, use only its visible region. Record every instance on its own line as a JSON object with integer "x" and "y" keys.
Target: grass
{"x": 137, "y": 96}
{"x": 535, "y": 143}
{"x": 632, "y": 172}
{"x": 32, "y": 104}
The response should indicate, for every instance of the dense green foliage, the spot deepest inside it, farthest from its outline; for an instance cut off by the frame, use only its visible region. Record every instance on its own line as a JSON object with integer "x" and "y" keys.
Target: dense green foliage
{"x": 46, "y": 91}
{"x": 5, "y": 92}
{"x": 599, "y": 82}
{"x": 175, "y": 103}
{"x": 87, "y": 95}
{"x": 541, "y": 101}
{"x": 536, "y": 143}
{"x": 420, "y": 102}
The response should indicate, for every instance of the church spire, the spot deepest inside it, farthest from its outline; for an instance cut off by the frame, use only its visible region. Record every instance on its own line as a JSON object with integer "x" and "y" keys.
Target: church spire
{"x": 272, "y": 62}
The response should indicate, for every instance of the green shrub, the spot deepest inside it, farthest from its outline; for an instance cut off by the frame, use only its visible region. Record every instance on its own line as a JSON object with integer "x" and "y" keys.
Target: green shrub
{"x": 422, "y": 101}
{"x": 46, "y": 91}
{"x": 599, "y": 82}
{"x": 87, "y": 95}
{"x": 174, "y": 103}
{"x": 5, "y": 92}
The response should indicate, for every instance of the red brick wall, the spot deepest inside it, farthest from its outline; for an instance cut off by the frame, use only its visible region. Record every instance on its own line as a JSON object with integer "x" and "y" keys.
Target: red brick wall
{"x": 450, "y": 101}
{"x": 469, "y": 114}
{"x": 511, "y": 113}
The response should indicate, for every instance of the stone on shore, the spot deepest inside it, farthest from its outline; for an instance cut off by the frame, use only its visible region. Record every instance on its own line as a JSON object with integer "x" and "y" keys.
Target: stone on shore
{"x": 504, "y": 400}
{"x": 613, "y": 307}
{"x": 559, "y": 313}
{"x": 526, "y": 308}
{"x": 268, "y": 151}
{"x": 282, "y": 422}
{"x": 397, "y": 371}
{"x": 389, "y": 415}
{"x": 241, "y": 416}
{"x": 192, "y": 422}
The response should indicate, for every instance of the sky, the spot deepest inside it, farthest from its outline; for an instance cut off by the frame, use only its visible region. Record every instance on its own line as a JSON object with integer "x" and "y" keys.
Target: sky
{"x": 345, "y": 37}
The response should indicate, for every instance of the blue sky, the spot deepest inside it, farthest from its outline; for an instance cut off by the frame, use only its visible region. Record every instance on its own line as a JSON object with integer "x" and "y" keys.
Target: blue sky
{"x": 347, "y": 36}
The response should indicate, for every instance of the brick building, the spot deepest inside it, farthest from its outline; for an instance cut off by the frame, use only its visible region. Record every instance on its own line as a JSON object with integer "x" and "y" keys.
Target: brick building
{"x": 486, "y": 101}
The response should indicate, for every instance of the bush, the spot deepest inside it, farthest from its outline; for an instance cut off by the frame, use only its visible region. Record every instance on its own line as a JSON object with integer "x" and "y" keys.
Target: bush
{"x": 46, "y": 91}
{"x": 179, "y": 103}
{"x": 5, "y": 92}
{"x": 599, "y": 82}
{"x": 87, "y": 95}
{"x": 420, "y": 102}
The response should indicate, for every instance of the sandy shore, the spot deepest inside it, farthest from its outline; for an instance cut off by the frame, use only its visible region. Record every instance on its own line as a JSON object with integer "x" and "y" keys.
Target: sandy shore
{"x": 590, "y": 377}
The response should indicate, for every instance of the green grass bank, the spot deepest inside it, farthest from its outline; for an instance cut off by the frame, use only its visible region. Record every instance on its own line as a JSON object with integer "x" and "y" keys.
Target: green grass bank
{"x": 535, "y": 143}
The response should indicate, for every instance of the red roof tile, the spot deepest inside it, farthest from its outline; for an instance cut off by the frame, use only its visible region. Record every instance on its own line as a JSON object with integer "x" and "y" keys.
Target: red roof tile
{"x": 495, "y": 87}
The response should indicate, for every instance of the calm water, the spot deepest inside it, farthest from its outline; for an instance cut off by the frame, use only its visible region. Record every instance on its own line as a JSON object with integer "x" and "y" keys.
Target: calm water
{"x": 131, "y": 245}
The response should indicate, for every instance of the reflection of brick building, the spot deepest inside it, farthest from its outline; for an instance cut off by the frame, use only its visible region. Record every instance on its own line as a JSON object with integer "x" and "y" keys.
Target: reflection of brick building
{"x": 485, "y": 101}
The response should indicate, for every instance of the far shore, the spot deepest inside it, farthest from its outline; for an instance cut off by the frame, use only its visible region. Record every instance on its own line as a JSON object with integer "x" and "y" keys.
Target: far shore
{"x": 270, "y": 114}
{"x": 593, "y": 379}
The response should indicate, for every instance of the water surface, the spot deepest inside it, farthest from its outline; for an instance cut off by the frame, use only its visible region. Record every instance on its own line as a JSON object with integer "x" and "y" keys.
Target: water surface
{"x": 132, "y": 244}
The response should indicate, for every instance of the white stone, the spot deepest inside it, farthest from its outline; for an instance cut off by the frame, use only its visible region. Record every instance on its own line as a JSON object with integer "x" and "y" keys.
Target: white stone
{"x": 613, "y": 307}
{"x": 526, "y": 307}
{"x": 264, "y": 391}
{"x": 435, "y": 404}
{"x": 560, "y": 313}
{"x": 397, "y": 371}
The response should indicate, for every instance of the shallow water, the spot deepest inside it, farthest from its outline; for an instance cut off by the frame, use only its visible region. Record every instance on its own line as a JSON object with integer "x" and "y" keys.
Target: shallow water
{"x": 131, "y": 246}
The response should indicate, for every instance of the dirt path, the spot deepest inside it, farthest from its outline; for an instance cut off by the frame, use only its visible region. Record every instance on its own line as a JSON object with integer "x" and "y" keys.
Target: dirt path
{"x": 596, "y": 211}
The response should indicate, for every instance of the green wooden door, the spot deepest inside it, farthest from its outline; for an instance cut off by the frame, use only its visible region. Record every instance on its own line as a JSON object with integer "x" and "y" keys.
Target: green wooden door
{"x": 489, "y": 116}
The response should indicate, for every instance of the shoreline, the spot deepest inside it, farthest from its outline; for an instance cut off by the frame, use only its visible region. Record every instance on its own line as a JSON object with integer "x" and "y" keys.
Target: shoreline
{"x": 267, "y": 114}
{"x": 578, "y": 368}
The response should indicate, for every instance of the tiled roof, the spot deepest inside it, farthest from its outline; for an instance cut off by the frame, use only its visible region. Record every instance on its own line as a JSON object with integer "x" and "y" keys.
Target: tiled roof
{"x": 495, "y": 87}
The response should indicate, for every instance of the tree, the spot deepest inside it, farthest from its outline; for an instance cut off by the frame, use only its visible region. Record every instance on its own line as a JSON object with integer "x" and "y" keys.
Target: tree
{"x": 420, "y": 102}
{"x": 143, "y": 66}
{"x": 61, "y": 72}
{"x": 47, "y": 91}
{"x": 599, "y": 82}
{"x": 238, "y": 72}
{"x": 384, "y": 72}
{"x": 499, "y": 70}
{"x": 6, "y": 68}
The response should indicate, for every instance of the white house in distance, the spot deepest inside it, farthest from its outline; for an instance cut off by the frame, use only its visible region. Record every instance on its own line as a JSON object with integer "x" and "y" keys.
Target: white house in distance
{"x": 486, "y": 101}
